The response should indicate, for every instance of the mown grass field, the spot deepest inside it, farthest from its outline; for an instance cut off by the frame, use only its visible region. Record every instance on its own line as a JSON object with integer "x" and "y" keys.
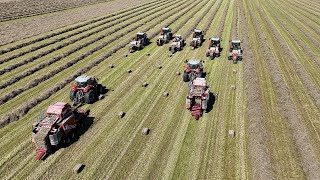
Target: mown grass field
{"x": 274, "y": 108}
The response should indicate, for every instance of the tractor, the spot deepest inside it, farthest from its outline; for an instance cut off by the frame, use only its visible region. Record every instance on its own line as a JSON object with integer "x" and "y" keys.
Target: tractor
{"x": 198, "y": 97}
{"x": 193, "y": 69}
{"x": 56, "y": 128}
{"x": 165, "y": 36}
{"x": 85, "y": 90}
{"x": 138, "y": 42}
{"x": 197, "y": 38}
{"x": 177, "y": 44}
{"x": 235, "y": 52}
{"x": 214, "y": 48}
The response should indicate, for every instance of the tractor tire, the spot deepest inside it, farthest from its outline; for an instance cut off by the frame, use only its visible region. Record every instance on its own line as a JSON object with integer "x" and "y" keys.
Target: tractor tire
{"x": 71, "y": 95}
{"x": 185, "y": 77}
{"x": 89, "y": 97}
{"x": 100, "y": 89}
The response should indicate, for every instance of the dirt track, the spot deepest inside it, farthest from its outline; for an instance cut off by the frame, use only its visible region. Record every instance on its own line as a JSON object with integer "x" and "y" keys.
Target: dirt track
{"x": 26, "y": 27}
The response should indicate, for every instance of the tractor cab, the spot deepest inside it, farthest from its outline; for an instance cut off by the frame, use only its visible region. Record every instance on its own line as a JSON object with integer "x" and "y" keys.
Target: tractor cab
{"x": 84, "y": 81}
{"x": 140, "y": 36}
{"x": 197, "y": 33}
{"x": 215, "y": 42}
{"x": 194, "y": 65}
{"x": 177, "y": 38}
{"x": 165, "y": 31}
{"x": 235, "y": 45}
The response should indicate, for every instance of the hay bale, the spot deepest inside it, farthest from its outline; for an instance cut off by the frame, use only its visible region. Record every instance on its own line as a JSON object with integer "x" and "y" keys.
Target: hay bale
{"x": 144, "y": 84}
{"x": 178, "y": 73}
{"x": 111, "y": 66}
{"x": 234, "y": 71}
{"x": 145, "y": 131}
{"x": 148, "y": 54}
{"x": 231, "y": 133}
{"x": 159, "y": 67}
{"x": 121, "y": 114}
{"x": 78, "y": 168}
{"x": 165, "y": 94}
{"x": 170, "y": 55}
{"x": 129, "y": 71}
{"x": 126, "y": 55}
{"x": 233, "y": 87}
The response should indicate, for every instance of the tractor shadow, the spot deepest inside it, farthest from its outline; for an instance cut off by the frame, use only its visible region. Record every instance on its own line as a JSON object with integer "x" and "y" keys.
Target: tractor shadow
{"x": 86, "y": 124}
{"x": 212, "y": 100}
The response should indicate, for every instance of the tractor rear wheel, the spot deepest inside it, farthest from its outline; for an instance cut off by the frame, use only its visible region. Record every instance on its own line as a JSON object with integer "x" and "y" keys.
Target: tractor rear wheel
{"x": 71, "y": 95}
{"x": 89, "y": 97}
{"x": 185, "y": 77}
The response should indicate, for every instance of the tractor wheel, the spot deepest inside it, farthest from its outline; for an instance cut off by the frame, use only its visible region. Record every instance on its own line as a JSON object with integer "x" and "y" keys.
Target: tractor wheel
{"x": 173, "y": 50}
{"x": 185, "y": 77}
{"x": 212, "y": 57}
{"x": 89, "y": 97}
{"x": 100, "y": 89}
{"x": 71, "y": 95}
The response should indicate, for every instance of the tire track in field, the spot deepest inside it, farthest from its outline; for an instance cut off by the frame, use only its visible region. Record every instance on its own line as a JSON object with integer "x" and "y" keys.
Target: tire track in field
{"x": 258, "y": 136}
{"x": 289, "y": 112}
{"x": 207, "y": 160}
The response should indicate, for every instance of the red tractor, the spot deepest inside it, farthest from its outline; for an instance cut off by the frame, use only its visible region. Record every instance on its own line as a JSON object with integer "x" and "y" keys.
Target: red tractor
{"x": 138, "y": 42}
{"x": 193, "y": 69}
{"x": 56, "y": 128}
{"x": 198, "y": 97}
{"x": 85, "y": 90}
{"x": 197, "y": 38}
{"x": 177, "y": 44}
{"x": 165, "y": 36}
{"x": 235, "y": 52}
{"x": 214, "y": 48}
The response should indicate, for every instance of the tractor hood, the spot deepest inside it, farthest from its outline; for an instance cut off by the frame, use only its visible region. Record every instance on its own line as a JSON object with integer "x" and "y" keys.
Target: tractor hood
{"x": 134, "y": 43}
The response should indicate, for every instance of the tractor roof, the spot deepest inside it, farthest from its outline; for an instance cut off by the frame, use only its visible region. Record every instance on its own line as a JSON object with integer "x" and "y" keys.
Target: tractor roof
{"x": 198, "y": 30}
{"x": 236, "y": 41}
{"x": 165, "y": 29}
{"x": 82, "y": 78}
{"x": 57, "y": 108}
{"x": 177, "y": 35}
{"x": 140, "y": 33}
{"x": 194, "y": 61}
{"x": 200, "y": 82}
{"x": 215, "y": 39}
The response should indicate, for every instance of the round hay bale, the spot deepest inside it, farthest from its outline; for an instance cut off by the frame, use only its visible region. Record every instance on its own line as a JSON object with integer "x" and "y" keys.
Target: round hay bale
{"x": 144, "y": 84}
{"x": 78, "y": 168}
{"x": 178, "y": 73}
{"x": 145, "y": 131}
{"x": 165, "y": 94}
{"x": 129, "y": 71}
{"x": 170, "y": 55}
{"x": 233, "y": 87}
{"x": 234, "y": 71}
{"x": 148, "y": 54}
{"x": 111, "y": 66}
{"x": 126, "y": 55}
{"x": 121, "y": 114}
{"x": 159, "y": 67}
{"x": 232, "y": 133}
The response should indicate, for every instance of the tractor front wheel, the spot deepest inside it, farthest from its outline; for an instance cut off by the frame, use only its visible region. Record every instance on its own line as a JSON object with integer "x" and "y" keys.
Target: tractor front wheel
{"x": 89, "y": 97}
{"x": 185, "y": 77}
